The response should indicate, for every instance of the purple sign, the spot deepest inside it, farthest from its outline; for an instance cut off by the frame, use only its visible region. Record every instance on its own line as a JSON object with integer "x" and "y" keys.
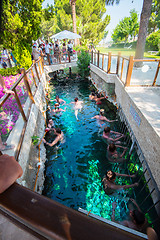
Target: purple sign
{"x": 135, "y": 116}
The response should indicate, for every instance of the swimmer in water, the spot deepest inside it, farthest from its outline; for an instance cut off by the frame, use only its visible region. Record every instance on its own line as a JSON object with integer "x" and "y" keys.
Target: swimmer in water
{"x": 59, "y": 137}
{"x": 57, "y": 109}
{"x": 109, "y": 182}
{"x": 116, "y": 136}
{"x": 50, "y": 126}
{"x": 77, "y": 106}
{"x": 58, "y": 100}
{"x": 101, "y": 118}
{"x": 112, "y": 154}
{"x": 98, "y": 99}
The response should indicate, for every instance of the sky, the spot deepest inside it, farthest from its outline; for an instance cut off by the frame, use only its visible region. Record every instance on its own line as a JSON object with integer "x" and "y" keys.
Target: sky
{"x": 117, "y": 12}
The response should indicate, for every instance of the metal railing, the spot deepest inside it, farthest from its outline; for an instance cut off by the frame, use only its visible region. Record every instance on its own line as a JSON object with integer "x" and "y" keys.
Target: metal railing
{"x": 61, "y": 58}
{"x": 148, "y": 194}
{"x": 115, "y": 64}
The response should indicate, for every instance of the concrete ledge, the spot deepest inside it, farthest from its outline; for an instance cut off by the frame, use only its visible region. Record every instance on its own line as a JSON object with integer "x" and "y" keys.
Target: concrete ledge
{"x": 52, "y": 68}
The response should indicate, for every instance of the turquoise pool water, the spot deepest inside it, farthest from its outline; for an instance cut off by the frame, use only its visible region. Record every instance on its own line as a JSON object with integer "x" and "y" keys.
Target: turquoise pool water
{"x": 75, "y": 169}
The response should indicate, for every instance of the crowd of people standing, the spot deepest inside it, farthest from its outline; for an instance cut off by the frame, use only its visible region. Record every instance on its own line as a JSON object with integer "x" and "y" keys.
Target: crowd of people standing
{"x": 53, "y": 52}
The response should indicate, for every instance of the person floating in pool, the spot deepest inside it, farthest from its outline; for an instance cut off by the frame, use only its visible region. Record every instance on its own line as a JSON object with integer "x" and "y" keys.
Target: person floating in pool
{"x": 109, "y": 185}
{"x": 59, "y": 137}
{"x": 136, "y": 219}
{"x": 50, "y": 126}
{"x": 92, "y": 96}
{"x": 98, "y": 99}
{"x": 101, "y": 118}
{"x": 77, "y": 106}
{"x": 57, "y": 109}
{"x": 58, "y": 100}
{"x": 107, "y": 135}
{"x": 114, "y": 156}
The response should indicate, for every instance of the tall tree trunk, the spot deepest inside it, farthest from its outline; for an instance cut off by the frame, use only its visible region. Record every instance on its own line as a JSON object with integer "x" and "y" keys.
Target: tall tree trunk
{"x": 73, "y": 5}
{"x": 145, "y": 15}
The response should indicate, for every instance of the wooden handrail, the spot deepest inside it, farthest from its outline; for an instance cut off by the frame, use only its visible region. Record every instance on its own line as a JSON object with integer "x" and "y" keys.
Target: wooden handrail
{"x": 47, "y": 219}
{"x": 156, "y": 75}
{"x": 129, "y": 71}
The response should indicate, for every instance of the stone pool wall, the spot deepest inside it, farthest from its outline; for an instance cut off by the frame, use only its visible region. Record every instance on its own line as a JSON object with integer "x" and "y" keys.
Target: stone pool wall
{"x": 145, "y": 134}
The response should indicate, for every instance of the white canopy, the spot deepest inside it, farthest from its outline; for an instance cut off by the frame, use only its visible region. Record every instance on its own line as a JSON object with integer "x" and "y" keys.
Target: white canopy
{"x": 65, "y": 35}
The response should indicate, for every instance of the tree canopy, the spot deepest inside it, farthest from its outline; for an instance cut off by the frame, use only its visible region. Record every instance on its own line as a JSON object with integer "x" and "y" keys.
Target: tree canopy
{"x": 154, "y": 21}
{"x": 145, "y": 15}
{"x": 20, "y": 25}
{"x": 91, "y": 22}
{"x": 127, "y": 28}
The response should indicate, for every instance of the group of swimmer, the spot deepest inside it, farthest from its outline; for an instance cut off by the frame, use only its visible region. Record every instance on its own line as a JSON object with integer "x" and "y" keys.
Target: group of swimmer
{"x": 136, "y": 219}
{"x": 57, "y": 131}
{"x": 112, "y": 139}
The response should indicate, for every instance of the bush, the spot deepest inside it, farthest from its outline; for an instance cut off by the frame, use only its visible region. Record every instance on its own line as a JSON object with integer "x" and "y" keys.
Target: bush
{"x": 10, "y": 71}
{"x": 83, "y": 64}
{"x": 152, "y": 41}
{"x": 80, "y": 48}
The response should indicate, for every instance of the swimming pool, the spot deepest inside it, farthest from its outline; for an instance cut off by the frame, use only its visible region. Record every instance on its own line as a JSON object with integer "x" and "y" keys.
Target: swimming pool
{"x": 75, "y": 169}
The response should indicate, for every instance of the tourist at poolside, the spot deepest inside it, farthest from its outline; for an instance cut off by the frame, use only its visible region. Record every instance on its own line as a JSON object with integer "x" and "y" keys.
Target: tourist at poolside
{"x": 35, "y": 52}
{"x": 57, "y": 109}
{"x": 64, "y": 52}
{"x": 107, "y": 135}
{"x": 51, "y": 52}
{"x": 59, "y": 137}
{"x": 113, "y": 155}
{"x": 56, "y": 52}
{"x": 77, "y": 106}
{"x": 109, "y": 185}
{"x": 102, "y": 118}
{"x": 47, "y": 52}
{"x": 136, "y": 221}
{"x": 40, "y": 49}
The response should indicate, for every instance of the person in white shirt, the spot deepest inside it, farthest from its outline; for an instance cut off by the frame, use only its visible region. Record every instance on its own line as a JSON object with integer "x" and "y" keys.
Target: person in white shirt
{"x": 47, "y": 52}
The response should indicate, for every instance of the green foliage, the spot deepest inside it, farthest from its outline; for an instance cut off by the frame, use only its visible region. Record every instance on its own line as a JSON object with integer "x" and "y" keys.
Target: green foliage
{"x": 9, "y": 71}
{"x": 80, "y": 48}
{"x": 20, "y": 25}
{"x": 154, "y": 21}
{"x": 35, "y": 139}
{"x": 90, "y": 24}
{"x": 49, "y": 27}
{"x": 153, "y": 41}
{"x": 83, "y": 64}
{"x": 127, "y": 27}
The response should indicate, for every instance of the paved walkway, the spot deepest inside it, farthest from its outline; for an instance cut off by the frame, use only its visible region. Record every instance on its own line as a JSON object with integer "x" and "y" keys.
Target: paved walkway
{"x": 147, "y": 100}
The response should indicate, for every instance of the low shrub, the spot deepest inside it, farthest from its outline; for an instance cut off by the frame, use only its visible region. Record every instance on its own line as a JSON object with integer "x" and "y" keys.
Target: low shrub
{"x": 83, "y": 64}
{"x": 10, "y": 71}
{"x": 152, "y": 41}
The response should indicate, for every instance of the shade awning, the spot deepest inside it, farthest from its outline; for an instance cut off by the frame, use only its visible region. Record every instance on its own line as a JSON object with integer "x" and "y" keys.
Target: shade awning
{"x": 65, "y": 35}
